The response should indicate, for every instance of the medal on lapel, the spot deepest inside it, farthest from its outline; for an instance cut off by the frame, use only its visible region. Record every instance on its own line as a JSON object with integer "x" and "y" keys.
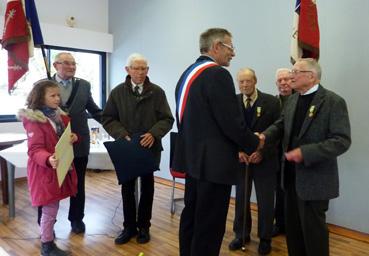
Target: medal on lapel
{"x": 258, "y": 111}
{"x": 311, "y": 111}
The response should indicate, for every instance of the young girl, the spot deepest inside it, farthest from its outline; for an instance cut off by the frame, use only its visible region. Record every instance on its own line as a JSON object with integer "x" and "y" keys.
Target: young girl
{"x": 44, "y": 123}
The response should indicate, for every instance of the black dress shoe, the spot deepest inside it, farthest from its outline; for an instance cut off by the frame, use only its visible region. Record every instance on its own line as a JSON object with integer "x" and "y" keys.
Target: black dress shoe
{"x": 143, "y": 236}
{"x": 236, "y": 243}
{"x": 125, "y": 236}
{"x": 265, "y": 246}
{"x": 78, "y": 226}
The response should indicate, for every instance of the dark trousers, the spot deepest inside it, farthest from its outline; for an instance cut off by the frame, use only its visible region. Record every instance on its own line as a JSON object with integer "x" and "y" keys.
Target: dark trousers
{"x": 203, "y": 218}
{"x": 144, "y": 206}
{"x": 77, "y": 203}
{"x": 306, "y": 228}
{"x": 279, "y": 204}
{"x": 264, "y": 188}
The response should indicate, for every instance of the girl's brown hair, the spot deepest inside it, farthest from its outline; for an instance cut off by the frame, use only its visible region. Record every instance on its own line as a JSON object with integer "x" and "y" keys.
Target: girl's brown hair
{"x": 36, "y": 98}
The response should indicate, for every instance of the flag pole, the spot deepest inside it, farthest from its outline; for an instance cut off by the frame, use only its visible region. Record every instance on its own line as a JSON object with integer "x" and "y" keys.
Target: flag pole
{"x": 46, "y": 62}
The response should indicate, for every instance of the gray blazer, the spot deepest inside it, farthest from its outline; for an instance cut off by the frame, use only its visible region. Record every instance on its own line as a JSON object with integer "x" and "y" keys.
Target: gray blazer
{"x": 77, "y": 112}
{"x": 324, "y": 135}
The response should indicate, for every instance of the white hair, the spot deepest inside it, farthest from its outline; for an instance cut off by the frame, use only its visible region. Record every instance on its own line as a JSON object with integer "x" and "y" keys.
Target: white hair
{"x": 281, "y": 70}
{"x": 134, "y": 57}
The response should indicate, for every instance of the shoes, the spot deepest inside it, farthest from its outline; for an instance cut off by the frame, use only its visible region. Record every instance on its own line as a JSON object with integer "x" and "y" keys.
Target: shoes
{"x": 237, "y": 244}
{"x": 125, "y": 236}
{"x": 78, "y": 226}
{"x": 50, "y": 249}
{"x": 143, "y": 236}
{"x": 277, "y": 231}
{"x": 264, "y": 246}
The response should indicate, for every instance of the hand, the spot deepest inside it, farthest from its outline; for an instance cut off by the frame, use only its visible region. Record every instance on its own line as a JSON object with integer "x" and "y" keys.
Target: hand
{"x": 147, "y": 140}
{"x": 243, "y": 157}
{"x": 127, "y": 138}
{"x": 73, "y": 138}
{"x": 294, "y": 155}
{"x": 261, "y": 141}
{"x": 255, "y": 157}
{"x": 53, "y": 161}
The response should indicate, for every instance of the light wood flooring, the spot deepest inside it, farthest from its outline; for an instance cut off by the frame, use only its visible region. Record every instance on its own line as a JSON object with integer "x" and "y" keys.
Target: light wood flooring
{"x": 20, "y": 236}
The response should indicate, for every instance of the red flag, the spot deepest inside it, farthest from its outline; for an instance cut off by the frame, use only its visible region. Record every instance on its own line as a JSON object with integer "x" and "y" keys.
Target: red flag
{"x": 15, "y": 41}
{"x": 305, "y": 38}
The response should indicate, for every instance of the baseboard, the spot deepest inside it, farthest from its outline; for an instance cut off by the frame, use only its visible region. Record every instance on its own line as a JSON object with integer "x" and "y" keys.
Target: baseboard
{"x": 342, "y": 231}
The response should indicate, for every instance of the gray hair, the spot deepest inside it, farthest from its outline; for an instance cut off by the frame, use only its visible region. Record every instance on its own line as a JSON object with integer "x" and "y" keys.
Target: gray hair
{"x": 134, "y": 57}
{"x": 60, "y": 54}
{"x": 211, "y": 35}
{"x": 248, "y": 70}
{"x": 281, "y": 70}
{"x": 313, "y": 65}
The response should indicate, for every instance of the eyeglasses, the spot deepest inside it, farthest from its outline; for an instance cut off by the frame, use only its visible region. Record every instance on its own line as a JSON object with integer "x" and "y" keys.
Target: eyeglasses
{"x": 230, "y": 47}
{"x": 296, "y": 71}
{"x": 67, "y": 63}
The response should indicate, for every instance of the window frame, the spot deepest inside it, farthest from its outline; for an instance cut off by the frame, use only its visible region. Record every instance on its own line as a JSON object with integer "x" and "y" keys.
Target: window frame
{"x": 103, "y": 69}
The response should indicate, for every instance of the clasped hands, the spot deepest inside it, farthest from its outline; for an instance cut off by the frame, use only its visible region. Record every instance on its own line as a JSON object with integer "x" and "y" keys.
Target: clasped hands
{"x": 256, "y": 156}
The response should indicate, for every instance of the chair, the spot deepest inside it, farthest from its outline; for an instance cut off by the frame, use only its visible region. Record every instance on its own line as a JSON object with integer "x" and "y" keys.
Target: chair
{"x": 175, "y": 173}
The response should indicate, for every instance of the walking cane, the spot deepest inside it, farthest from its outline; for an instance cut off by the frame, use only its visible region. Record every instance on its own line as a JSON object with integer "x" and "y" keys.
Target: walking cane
{"x": 246, "y": 212}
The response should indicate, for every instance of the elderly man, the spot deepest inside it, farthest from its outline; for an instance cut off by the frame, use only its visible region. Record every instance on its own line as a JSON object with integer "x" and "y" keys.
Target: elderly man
{"x": 260, "y": 110}
{"x": 76, "y": 100}
{"x": 211, "y": 130}
{"x": 138, "y": 106}
{"x": 283, "y": 83}
{"x": 315, "y": 130}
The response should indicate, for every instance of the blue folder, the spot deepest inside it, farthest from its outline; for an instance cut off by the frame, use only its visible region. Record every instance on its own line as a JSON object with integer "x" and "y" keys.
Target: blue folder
{"x": 130, "y": 159}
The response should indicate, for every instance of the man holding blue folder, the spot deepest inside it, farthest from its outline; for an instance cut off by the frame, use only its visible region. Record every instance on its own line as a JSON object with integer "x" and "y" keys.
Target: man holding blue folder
{"x": 138, "y": 107}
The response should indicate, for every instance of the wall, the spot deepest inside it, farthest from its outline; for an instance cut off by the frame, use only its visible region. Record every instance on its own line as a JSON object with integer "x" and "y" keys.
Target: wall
{"x": 167, "y": 33}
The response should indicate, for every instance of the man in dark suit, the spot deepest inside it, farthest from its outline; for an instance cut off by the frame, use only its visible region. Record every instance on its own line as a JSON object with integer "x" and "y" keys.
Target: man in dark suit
{"x": 315, "y": 129}
{"x": 260, "y": 110}
{"x": 76, "y": 100}
{"x": 211, "y": 131}
{"x": 283, "y": 83}
{"x": 138, "y": 107}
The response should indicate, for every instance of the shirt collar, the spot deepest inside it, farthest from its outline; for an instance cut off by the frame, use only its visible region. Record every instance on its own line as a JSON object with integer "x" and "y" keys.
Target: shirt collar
{"x": 253, "y": 97}
{"x": 312, "y": 90}
{"x": 61, "y": 81}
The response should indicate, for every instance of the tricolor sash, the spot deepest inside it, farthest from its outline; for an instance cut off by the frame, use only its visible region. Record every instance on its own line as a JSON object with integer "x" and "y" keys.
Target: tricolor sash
{"x": 189, "y": 77}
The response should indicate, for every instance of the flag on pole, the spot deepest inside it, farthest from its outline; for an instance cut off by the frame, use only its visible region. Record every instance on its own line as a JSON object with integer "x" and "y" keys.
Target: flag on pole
{"x": 21, "y": 33}
{"x": 15, "y": 41}
{"x": 305, "y": 35}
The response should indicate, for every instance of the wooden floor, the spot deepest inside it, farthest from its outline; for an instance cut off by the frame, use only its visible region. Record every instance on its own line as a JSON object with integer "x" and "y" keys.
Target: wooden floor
{"x": 20, "y": 236}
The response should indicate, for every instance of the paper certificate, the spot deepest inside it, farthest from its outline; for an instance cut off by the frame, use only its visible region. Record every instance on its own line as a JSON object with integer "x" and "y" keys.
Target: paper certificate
{"x": 64, "y": 153}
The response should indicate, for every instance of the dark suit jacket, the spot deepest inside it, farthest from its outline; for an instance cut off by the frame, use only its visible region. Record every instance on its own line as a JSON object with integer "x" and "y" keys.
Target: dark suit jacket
{"x": 212, "y": 129}
{"x": 324, "y": 135}
{"x": 266, "y": 112}
{"x": 77, "y": 111}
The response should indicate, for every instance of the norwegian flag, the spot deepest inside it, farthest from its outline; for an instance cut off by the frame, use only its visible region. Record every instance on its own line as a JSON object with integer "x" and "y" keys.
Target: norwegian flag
{"x": 305, "y": 36}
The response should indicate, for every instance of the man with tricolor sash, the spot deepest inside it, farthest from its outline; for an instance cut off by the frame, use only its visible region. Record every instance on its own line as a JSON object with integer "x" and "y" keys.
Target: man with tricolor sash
{"x": 211, "y": 133}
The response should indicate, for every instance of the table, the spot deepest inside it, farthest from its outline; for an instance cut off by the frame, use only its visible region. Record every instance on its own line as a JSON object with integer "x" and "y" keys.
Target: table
{"x": 16, "y": 156}
{"x": 7, "y": 140}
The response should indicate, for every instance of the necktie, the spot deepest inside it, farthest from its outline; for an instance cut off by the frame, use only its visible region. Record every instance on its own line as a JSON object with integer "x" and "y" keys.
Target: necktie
{"x": 248, "y": 103}
{"x": 136, "y": 90}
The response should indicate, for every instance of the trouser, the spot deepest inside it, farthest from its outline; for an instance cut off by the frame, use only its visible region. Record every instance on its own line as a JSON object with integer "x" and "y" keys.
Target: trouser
{"x": 279, "y": 204}
{"x": 47, "y": 221}
{"x": 203, "y": 218}
{"x": 264, "y": 188}
{"x": 144, "y": 206}
{"x": 306, "y": 228}
{"x": 77, "y": 202}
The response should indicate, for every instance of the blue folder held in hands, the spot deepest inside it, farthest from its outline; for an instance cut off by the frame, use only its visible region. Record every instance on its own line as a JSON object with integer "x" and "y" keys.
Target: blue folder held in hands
{"x": 130, "y": 159}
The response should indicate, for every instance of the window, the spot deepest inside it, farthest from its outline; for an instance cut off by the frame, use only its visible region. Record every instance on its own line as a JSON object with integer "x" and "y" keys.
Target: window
{"x": 91, "y": 66}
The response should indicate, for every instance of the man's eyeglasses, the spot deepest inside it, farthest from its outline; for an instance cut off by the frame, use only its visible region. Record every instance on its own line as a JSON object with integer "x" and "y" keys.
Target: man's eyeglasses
{"x": 230, "y": 47}
{"x": 67, "y": 63}
{"x": 296, "y": 71}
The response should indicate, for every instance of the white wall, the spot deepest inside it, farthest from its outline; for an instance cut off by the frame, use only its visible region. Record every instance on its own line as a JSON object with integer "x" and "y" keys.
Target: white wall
{"x": 167, "y": 33}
